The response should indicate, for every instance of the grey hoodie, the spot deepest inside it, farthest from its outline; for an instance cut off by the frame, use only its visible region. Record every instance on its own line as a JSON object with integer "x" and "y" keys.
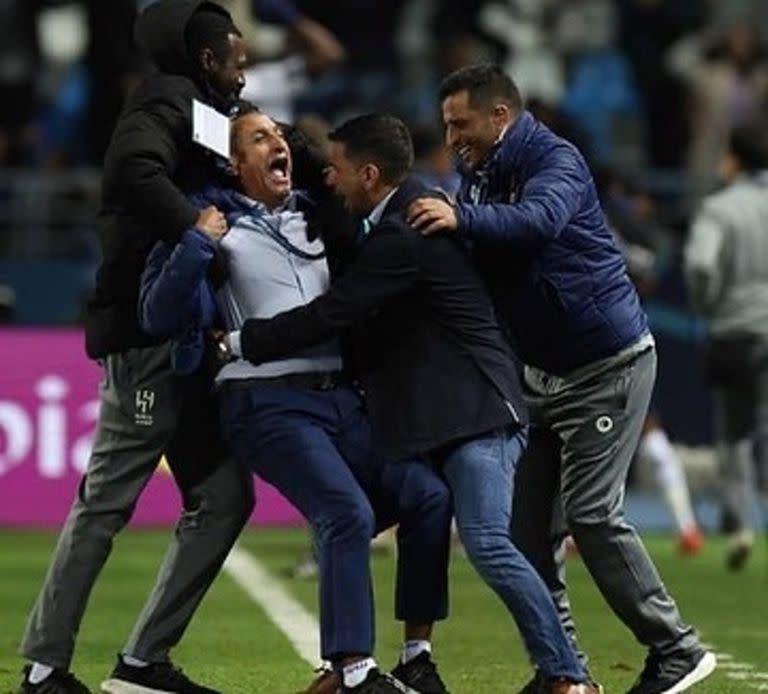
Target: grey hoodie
{"x": 726, "y": 258}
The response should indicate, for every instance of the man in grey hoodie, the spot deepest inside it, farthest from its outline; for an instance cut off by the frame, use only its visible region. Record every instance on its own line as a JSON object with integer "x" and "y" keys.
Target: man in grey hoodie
{"x": 726, "y": 266}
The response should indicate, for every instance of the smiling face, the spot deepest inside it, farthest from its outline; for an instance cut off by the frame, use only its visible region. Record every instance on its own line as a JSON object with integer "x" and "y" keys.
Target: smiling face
{"x": 471, "y": 130}
{"x": 261, "y": 159}
{"x": 225, "y": 73}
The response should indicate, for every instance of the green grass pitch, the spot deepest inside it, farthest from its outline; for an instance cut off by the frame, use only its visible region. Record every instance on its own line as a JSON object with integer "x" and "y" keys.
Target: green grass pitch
{"x": 233, "y": 646}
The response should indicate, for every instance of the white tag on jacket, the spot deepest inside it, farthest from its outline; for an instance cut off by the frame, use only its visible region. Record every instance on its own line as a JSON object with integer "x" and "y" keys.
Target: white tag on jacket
{"x": 210, "y": 128}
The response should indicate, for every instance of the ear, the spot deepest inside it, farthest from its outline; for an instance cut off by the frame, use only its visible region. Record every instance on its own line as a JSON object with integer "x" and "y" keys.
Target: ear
{"x": 233, "y": 166}
{"x": 207, "y": 61}
{"x": 502, "y": 112}
{"x": 370, "y": 176}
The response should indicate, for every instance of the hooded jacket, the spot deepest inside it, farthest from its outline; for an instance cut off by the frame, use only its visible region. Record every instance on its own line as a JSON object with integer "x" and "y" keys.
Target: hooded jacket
{"x": 150, "y": 165}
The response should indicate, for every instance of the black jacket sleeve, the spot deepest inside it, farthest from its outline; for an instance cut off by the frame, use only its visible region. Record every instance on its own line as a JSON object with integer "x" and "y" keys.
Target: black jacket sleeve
{"x": 386, "y": 267}
{"x": 144, "y": 155}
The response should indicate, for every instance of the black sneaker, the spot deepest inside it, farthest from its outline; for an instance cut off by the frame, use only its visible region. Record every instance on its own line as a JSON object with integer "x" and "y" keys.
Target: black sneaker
{"x": 377, "y": 682}
{"x": 674, "y": 673}
{"x": 155, "y": 677}
{"x": 420, "y": 674}
{"x": 58, "y": 682}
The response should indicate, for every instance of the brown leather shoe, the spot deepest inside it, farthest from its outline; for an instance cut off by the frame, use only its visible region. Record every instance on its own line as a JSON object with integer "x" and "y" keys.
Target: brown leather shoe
{"x": 328, "y": 682}
{"x": 564, "y": 687}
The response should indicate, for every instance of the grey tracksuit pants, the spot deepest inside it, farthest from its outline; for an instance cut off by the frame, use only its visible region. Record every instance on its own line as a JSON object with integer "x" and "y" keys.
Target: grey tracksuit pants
{"x": 585, "y": 429}
{"x": 146, "y": 410}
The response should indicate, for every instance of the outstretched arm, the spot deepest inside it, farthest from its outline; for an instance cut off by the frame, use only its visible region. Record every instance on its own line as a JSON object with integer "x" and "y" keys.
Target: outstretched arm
{"x": 386, "y": 267}
{"x": 547, "y": 202}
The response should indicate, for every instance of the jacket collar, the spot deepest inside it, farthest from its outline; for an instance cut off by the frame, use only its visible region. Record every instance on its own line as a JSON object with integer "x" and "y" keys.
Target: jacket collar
{"x": 410, "y": 189}
{"x": 512, "y": 144}
{"x": 234, "y": 204}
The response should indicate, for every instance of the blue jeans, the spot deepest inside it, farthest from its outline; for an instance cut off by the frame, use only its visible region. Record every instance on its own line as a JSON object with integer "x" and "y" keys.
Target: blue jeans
{"x": 316, "y": 448}
{"x": 480, "y": 473}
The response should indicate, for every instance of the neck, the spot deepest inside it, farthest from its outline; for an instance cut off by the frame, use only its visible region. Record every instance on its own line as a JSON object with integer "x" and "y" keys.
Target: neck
{"x": 270, "y": 203}
{"x": 507, "y": 125}
{"x": 376, "y": 196}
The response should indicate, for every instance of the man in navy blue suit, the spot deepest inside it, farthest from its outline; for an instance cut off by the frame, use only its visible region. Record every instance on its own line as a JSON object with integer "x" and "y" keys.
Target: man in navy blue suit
{"x": 440, "y": 380}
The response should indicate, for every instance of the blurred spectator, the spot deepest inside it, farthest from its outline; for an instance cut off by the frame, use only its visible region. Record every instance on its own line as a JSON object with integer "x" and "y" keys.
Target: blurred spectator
{"x": 320, "y": 48}
{"x": 285, "y": 49}
{"x": 368, "y": 80}
{"x": 433, "y": 161}
{"x": 19, "y": 66}
{"x": 647, "y": 28}
{"x": 729, "y": 87}
{"x": 7, "y": 304}
{"x": 601, "y": 95}
{"x": 525, "y": 29}
{"x": 642, "y": 239}
{"x": 726, "y": 263}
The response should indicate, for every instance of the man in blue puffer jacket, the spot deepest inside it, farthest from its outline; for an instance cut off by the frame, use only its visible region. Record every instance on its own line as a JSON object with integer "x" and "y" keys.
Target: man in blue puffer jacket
{"x": 529, "y": 208}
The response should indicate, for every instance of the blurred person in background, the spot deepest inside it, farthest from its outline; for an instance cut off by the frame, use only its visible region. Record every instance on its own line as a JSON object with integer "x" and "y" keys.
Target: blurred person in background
{"x": 369, "y": 77}
{"x": 726, "y": 268}
{"x": 728, "y": 78}
{"x": 529, "y": 207}
{"x": 19, "y": 66}
{"x": 145, "y": 409}
{"x": 433, "y": 161}
{"x": 647, "y": 30}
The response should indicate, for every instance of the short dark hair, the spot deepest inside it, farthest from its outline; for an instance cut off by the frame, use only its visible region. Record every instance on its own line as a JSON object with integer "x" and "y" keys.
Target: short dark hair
{"x": 209, "y": 28}
{"x": 484, "y": 82}
{"x": 749, "y": 144}
{"x": 380, "y": 139}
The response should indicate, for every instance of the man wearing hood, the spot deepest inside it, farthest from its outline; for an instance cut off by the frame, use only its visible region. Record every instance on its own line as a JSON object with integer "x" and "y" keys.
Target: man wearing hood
{"x": 146, "y": 410}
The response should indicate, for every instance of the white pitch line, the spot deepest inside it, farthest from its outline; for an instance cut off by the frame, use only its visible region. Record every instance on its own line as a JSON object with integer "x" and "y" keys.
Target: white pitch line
{"x": 298, "y": 625}
{"x": 741, "y": 672}
{"x": 735, "y": 670}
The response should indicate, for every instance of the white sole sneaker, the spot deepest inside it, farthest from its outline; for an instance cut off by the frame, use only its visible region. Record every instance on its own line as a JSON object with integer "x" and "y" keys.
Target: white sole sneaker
{"x": 115, "y": 686}
{"x": 704, "y": 668}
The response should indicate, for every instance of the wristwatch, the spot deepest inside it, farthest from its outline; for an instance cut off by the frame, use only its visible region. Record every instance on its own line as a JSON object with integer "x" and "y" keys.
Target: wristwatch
{"x": 223, "y": 350}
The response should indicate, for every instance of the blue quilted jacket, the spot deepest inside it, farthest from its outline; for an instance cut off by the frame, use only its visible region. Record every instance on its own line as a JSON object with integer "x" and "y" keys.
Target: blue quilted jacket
{"x": 541, "y": 241}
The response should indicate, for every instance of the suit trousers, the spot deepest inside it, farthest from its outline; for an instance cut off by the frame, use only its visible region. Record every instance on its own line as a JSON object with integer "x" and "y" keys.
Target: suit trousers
{"x": 316, "y": 448}
{"x": 146, "y": 410}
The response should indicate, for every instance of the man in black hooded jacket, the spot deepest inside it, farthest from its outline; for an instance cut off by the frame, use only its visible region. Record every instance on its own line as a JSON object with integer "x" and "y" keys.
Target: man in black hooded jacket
{"x": 151, "y": 163}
